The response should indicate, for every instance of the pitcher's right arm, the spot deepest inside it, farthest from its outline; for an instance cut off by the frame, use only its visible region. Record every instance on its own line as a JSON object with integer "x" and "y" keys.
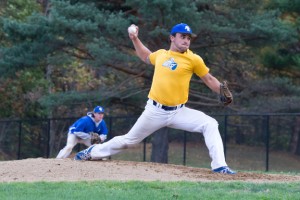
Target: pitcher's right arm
{"x": 141, "y": 50}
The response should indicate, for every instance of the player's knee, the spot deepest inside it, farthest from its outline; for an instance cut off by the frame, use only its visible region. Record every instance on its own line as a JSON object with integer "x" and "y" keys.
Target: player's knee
{"x": 214, "y": 122}
{"x": 211, "y": 124}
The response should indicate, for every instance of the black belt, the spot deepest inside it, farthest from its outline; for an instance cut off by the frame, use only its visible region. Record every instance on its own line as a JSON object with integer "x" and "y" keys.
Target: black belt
{"x": 167, "y": 108}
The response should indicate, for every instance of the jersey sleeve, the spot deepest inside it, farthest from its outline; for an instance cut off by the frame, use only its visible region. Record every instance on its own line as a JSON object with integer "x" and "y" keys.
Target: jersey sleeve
{"x": 153, "y": 55}
{"x": 199, "y": 66}
{"x": 78, "y": 126}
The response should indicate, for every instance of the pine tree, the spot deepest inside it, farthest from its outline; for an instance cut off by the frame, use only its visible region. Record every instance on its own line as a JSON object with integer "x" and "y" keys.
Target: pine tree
{"x": 93, "y": 34}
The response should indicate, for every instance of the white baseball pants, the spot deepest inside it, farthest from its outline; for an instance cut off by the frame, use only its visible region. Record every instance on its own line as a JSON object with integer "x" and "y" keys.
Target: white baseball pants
{"x": 154, "y": 118}
{"x": 71, "y": 142}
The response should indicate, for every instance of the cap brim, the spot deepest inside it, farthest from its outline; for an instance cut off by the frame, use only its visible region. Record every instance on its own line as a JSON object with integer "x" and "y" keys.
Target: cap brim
{"x": 193, "y": 35}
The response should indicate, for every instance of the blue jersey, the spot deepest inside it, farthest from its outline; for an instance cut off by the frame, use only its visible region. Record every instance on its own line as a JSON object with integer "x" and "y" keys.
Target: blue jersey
{"x": 87, "y": 125}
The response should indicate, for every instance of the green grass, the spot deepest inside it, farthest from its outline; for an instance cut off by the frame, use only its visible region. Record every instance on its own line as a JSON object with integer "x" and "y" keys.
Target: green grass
{"x": 137, "y": 190}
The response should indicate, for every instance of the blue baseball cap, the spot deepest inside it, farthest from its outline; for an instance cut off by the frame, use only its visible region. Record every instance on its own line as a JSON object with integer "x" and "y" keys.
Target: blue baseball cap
{"x": 181, "y": 28}
{"x": 98, "y": 109}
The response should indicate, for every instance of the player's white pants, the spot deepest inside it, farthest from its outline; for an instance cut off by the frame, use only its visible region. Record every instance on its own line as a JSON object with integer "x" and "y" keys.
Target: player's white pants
{"x": 71, "y": 142}
{"x": 154, "y": 118}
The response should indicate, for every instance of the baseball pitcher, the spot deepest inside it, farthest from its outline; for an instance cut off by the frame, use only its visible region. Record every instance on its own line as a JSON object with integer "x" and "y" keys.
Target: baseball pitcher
{"x": 173, "y": 69}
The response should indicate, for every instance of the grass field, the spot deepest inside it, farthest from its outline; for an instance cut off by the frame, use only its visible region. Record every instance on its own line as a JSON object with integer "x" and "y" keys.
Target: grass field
{"x": 135, "y": 190}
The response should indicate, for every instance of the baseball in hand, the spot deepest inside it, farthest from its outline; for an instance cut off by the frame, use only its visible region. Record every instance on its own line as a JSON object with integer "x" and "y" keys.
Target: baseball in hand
{"x": 132, "y": 30}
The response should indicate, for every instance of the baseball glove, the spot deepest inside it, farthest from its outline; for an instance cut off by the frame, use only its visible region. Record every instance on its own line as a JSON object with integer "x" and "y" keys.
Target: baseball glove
{"x": 95, "y": 139}
{"x": 225, "y": 94}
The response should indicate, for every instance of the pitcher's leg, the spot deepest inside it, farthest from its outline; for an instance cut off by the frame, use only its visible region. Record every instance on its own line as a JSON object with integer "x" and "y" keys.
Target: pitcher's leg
{"x": 214, "y": 144}
{"x": 196, "y": 121}
{"x": 145, "y": 125}
{"x": 66, "y": 151}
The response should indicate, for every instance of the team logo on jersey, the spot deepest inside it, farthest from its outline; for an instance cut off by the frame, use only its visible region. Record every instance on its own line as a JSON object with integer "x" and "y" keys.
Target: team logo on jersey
{"x": 170, "y": 64}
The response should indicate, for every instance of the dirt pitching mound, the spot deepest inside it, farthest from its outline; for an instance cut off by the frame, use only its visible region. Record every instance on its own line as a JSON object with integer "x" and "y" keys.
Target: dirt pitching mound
{"x": 41, "y": 169}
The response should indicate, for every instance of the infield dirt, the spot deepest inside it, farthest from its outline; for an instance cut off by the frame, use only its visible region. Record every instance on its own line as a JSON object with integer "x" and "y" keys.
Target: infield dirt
{"x": 41, "y": 169}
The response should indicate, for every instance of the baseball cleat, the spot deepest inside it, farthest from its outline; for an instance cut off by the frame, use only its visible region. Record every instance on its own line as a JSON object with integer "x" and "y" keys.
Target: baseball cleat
{"x": 224, "y": 170}
{"x": 84, "y": 154}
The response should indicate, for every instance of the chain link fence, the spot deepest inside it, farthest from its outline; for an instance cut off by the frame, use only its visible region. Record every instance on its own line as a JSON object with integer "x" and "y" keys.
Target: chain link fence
{"x": 268, "y": 142}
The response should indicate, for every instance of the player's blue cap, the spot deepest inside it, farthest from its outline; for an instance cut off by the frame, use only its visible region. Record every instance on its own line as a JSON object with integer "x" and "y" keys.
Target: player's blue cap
{"x": 181, "y": 28}
{"x": 98, "y": 109}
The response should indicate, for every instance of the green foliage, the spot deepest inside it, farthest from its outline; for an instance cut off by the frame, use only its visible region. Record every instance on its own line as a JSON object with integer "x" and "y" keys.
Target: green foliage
{"x": 19, "y": 95}
{"x": 282, "y": 93}
{"x": 29, "y": 41}
{"x": 20, "y": 9}
{"x": 281, "y": 59}
{"x": 165, "y": 13}
{"x": 93, "y": 35}
{"x": 67, "y": 31}
{"x": 286, "y": 6}
{"x": 284, "y": 57}
{"x": 276, "y": 61}
{"x": 16, "y": 10}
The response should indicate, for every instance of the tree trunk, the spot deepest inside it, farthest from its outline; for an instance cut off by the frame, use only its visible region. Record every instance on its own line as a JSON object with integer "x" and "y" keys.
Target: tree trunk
{"x": 45, "y": 6}
{"x": 295, "y": 141}
{"x": 160, "y": 146}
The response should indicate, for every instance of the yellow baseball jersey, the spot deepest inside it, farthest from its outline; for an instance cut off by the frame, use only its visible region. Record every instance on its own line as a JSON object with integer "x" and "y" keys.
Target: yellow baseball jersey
{"x": 172, "y": 75}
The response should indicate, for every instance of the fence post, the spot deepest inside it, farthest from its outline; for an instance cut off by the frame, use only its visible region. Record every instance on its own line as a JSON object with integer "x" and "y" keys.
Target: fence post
{"x": 225, "y": 134}
{"x": 267, "y": 132}
{"x": 110, "y": 128}
{"x": 184, "y": 148}
{"x": 48, "y": 137}
{"x": 19, "y": 142}
{"x": 144, "y": 150}
{"x": 109, "y": 136}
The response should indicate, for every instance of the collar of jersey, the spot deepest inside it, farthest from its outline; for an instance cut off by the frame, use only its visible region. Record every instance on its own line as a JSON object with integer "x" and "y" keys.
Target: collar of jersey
{"x": 174, "y": 52}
